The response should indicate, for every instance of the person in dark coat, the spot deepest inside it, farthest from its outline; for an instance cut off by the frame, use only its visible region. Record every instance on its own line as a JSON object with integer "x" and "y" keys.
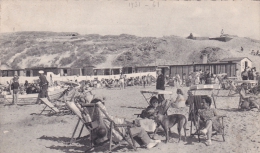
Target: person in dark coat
{"x": 43, "y": 88}
{"x": 15, "y": 88}
{"x": 160, "y": 82}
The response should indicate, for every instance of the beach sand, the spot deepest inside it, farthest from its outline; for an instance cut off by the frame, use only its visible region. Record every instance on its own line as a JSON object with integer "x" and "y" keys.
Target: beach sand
{"x": 21, "y": 131}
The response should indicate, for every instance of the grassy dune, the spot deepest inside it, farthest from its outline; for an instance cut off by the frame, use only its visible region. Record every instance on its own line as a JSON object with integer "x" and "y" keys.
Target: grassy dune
{"x": 30, "y": 49}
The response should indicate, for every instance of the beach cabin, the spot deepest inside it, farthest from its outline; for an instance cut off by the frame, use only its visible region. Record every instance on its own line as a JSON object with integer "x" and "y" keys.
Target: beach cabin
{"x": 107, "y": 71}
{"x": 88, "y": 71}
{"x": 140, "y": 69}
{"x": 241, "y": 62}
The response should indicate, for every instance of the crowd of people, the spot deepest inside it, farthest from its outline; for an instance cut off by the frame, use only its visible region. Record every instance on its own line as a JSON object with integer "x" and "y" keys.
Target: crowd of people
{"x": 193, "y": 78}
{"x": 122, "y": 82}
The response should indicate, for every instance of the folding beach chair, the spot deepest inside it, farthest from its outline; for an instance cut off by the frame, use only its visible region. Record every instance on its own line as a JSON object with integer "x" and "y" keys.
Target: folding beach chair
{"x": 116, "y": 134}
{"x": 84, "y": 119}
{"x": 92, "y": 123}
{"x": 51, "y": 109}
{"x": 195, "y": 105}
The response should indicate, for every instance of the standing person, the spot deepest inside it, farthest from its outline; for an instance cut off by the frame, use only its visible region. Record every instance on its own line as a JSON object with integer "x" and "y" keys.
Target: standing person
{"x": 15, "y": 88}
{"x": 178, "y": 80}
{"x": 26, "y": 84}
{"x": 238, "y": 75}
{"x": 51, "y": 80}
{"x": 250, "y": 74}
{"x": 244, "y": 75}
{"x": 160, "y": 84}
{"x": 149, "y": 79}
{"x": 121, "y": 81}
{"x": 254, "y": 73}
{"x": 43, "y": 88}
{"x": 184, "y": 79}
{"x": 144, "y": 80}
{"x": 125, "y": 81}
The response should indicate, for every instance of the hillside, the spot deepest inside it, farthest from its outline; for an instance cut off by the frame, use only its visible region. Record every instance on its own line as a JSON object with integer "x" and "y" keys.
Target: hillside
{"x": 31, "y": 49}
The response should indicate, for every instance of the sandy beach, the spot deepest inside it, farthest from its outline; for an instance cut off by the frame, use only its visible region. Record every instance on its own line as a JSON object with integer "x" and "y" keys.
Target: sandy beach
{"x": 22, "y": 131}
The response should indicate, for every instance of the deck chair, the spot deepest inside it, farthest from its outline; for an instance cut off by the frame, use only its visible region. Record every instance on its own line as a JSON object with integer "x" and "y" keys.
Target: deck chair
{"x": 84, "y": 119}
{"x": 235, "y": 88}
{"x": 115, "y": 135}
{"x": 49, "y": 107}
{"x": 195, "y": 105}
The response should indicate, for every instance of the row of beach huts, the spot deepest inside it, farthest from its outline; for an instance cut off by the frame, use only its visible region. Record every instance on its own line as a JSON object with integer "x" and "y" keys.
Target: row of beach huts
{"x": 227, "y": 65}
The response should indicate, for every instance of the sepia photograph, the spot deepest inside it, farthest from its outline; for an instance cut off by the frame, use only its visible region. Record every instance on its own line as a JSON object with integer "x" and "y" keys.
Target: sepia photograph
{"x": 144, "y": 76}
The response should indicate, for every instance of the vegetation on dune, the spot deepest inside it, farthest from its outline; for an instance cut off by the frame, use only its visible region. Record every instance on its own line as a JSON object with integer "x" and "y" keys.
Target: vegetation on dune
{"x": 128, "y": 50}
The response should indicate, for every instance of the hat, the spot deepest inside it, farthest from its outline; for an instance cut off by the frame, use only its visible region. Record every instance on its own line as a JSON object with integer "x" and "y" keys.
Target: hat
{"x": 158, "y": 69}
{"x": 41, "y": 71}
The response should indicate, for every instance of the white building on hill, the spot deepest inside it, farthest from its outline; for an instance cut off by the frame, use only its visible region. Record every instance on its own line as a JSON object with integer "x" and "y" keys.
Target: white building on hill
{"x": 242, "y": 62}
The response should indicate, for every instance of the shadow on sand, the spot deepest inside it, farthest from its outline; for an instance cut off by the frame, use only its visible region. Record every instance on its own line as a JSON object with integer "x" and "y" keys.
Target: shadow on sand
{"x": 81, "y": 145}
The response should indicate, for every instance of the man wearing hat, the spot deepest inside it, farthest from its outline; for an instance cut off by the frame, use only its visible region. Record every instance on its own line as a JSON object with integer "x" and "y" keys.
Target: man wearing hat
{"x": 43, "y": 87}
{"x": 15, "y": 88}
{"x": 160, "y": 84}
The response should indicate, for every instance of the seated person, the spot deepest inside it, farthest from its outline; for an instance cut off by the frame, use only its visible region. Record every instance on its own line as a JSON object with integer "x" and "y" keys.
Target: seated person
{"x": 247, "y": 101}
{"x": 180, "y": 100}
{"x": 208, "y": 120}
{"x": 137, "y": 132}
{"x": 154, "y": 107}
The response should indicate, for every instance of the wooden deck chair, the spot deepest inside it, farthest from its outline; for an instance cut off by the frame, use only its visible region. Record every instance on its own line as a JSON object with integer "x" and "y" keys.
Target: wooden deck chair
{"x": 114, "y": 132}
{"x": 195, "y": 105}
{"x": 49, "y": 107}
{"x": 235, "y": 88}
{"x": 83, "y": 117}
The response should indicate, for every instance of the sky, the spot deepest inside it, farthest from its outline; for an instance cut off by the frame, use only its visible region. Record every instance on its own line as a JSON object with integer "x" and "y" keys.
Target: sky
{"x": 143, "y": 18}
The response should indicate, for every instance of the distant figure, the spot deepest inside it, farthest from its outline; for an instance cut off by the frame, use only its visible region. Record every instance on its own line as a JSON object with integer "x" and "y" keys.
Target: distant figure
{"x": 242, "y": 49}
{"x": 160, "y": 82}
{"x": 51, "y": 82}
{"x": 149, "y": 79}
{"x": 144, "y": 80}
{"x": 257, "y": 52}
{"x": 15, "y": 87}
{"x": 222, "y": 32}
{"x": 244, "y": 75}
{"x": 43, "y": 88}
{"x": 26, "y": 84}
{"x": 190, "y": 36}
{"x": 238, "y": 75}
{"x": 253, "y": 52}
{"x": 121, "y": 81}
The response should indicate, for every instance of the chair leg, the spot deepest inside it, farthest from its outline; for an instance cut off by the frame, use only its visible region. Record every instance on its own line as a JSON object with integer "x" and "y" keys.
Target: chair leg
{"x": 43, "y": 110}
{"x": 81, "y": 130}
{"x": 223, "y": 134}
{"x": 191, "y": 128}
{"x": 131, "y": 136}
{"x": 110, "y": 138}
{"x": 72, "y": 137}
